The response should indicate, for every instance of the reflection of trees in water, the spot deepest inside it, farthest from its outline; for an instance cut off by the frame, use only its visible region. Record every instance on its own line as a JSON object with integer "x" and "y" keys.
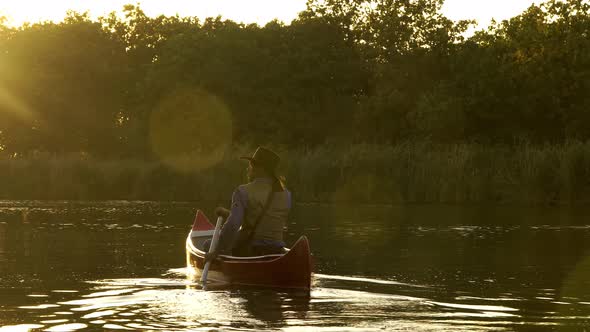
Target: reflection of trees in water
{"x": 483, "y": 248}
{"x": 16, "y": 248}
{"x": 274, "y": 307}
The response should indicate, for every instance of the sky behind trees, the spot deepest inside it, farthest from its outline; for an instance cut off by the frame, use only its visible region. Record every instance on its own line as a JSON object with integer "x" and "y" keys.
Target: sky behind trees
{"x": 259, "y": 11}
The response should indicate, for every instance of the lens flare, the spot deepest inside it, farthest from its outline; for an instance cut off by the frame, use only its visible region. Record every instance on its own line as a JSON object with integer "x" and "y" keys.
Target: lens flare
{"x": 190, "y": 130}
{"x": 14, "y": 111}
{"x": 13, "y": 105}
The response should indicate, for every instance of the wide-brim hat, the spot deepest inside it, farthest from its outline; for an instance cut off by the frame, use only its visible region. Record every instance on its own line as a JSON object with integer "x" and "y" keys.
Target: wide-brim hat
{"x": 264, "y": 158}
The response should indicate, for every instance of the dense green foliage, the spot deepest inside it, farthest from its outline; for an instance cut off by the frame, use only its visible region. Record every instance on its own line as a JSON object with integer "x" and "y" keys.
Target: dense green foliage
{"x": 347, "y": 71}
{"x": 134, "y": 107}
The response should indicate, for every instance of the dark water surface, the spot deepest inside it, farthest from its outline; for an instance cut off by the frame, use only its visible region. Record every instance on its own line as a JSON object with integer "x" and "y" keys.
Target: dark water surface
{"x": 120, "y": 266}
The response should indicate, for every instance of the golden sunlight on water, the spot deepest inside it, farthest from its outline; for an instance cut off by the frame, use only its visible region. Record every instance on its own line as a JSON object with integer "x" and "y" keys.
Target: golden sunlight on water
{"x": 179, "y": 304}
{"x": 190, "y": 129}
{"x": 367, "y": 291}
{"x": 20, "y": 327}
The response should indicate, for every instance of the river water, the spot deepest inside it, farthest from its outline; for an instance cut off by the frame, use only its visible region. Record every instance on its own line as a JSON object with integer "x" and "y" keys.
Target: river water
{"x": 120, "y": 266}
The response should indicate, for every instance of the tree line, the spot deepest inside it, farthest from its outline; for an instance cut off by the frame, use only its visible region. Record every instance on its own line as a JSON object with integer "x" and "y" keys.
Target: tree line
{"x": 343, "y": 72}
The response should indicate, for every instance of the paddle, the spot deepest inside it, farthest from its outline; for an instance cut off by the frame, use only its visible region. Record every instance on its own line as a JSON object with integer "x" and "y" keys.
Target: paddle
{"x": 212, "y": 249}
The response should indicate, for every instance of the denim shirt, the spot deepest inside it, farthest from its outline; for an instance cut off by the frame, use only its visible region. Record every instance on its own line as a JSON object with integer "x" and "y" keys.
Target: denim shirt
{"x": 230, "y": 229}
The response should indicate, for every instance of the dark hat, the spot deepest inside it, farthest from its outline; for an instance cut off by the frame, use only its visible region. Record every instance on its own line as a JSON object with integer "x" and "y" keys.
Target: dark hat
{"x": 264, "y": 158}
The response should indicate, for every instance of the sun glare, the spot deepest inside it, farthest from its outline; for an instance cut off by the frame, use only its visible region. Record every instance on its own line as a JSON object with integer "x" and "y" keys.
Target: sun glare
{"x": 485, "y": 10}
{"x": 12, "y": 104}
{"x": 19, "y": 12}
{"x": 258, "y": 11}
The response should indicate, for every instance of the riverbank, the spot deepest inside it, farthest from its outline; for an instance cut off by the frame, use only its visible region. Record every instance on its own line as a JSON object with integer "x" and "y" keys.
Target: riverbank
{"x": 403, "y": 173}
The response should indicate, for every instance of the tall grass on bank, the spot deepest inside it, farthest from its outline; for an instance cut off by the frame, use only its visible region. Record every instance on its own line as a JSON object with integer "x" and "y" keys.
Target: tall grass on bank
{"x": 404, "y": 173}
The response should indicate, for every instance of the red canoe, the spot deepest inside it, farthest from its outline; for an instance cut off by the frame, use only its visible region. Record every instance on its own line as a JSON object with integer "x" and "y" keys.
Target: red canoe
{"x": 289, "y": 270}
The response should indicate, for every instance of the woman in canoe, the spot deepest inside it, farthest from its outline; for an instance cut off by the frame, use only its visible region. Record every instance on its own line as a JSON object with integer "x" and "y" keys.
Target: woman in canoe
{"x": 258, "y": 216}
